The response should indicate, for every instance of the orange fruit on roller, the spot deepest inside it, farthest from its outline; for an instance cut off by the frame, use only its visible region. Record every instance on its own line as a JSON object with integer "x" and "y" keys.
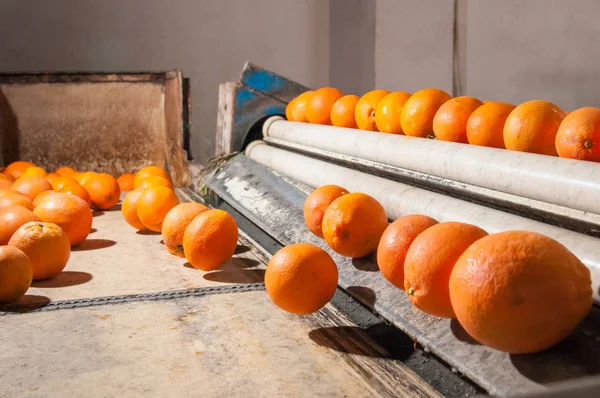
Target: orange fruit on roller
{"x": 353, "y": 224}
{"x": 394, "y": 245}
{"x": 485, "y": 126}
{"x": 416, "y": 118}
{"x": 154, "y": 180}
{"x": 297, "y": 108}
{"x": 301, "y": 278}
{"x": 532, "y": 127}
{"x": 316, "y": 203}
{"x": 450, "y": 120}
{"x": 429, "y": 263}
{"x": 130, "y": 211}
{"x": 153, "y": 205}
{"x": 16, "y": 274}
{"x": 34, "y": 171}
{"x": 389, "y": 109}
{"x": 210, "y": 240}
{"x": 318, "y": 107}
{"x": 104, "y": 191}
{"x": 46, "y": 245}
{"x": 15, "y": 169}
{"x": 11, "y": 219}
{"x": 31, "y": 186}
{"x": 342, "y": 112}
{"x": 65, "y": 171}
{"x": 288, "y": 110}
{"x": 578, "y": 135}
{"x": 175, "y": 223}
{"x": 69, "y": 212}
{"x": 365, "y": 109}
{"x": 149, "y": 171}
{"x": 125, "y": 182}
{"x": 10, "y": 198}
{"x": 520, "y": 292}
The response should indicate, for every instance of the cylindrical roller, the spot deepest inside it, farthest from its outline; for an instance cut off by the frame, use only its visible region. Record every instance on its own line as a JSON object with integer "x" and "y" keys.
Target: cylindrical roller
{"x": 564, "y": 182}
{"x": 400, "y": 199}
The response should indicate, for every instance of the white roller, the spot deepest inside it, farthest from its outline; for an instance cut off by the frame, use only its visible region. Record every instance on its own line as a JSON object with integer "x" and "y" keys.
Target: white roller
{"x": 565, "y": 182}
{"x": 400, "y": 199}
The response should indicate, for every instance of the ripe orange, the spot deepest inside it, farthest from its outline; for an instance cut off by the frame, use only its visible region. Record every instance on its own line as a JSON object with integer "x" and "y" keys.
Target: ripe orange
{"x": 75, "y": 189}
{"x": 450, "y": 121}
{"x": 149, "y": 171}
{"x": 353, "y": 224}
{"x": 532, "y": 127}
{"x": 66, "y": 171}
{"x": 10, "y": 198}
{"x": 38, "y": 199}
{"x": 301, "y": 278}
{"x": 51, "y": 177}
{"x": 16, "y": 274}
{"x": 11, "y": 218}
{"x": 429, "y": 262}
{"x": 316, "y": 203}
{"x": 5, "y": 175}
{"x": 15, "y": 169}
{"x": 129, "y": 209}
{"x": 486, "y": 124}
{"x": 82, "y": 178}
{"x": 153, "y": 205}
{"x": 520, "y": 292}
{"x": 69, "y": 212}
{"x": 394, "y": 245}
{"x": 210, "y": 239}
{"x": 419, "y": 110}
{"x": 154, "y": 180}
{"x": 175, "y": 223}
{"x": 31, "y": 186}
{"x": 46, "y": 245}
{"x": 104, "y": 190}
{"x": 288, "y": 110}
{"x": 34, "y": 171}
{"x": 389, "y": 109}
{"x": 318, "y": 108}
{"x": 578, "y": 136}
{"x": 298, "y": 107}
{"x": 5, "y": 183}
{"x": 365, "y": 109}
{"x": 342, "y": 112}
{"x": 125, "y": 182}
{"x": 59, "y": 182}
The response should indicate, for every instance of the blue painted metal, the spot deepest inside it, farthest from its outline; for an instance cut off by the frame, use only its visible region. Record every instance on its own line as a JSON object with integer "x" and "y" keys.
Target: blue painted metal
{"x": 270, "y": 83}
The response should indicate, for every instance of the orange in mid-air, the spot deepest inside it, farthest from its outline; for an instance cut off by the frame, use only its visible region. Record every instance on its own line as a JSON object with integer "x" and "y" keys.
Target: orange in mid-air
{"x": 578, "y": 136}
{"x": 320, "y": 103}
{"x": 153, "y": 205}
{"x": 46, "y": 245}
{"x": 10, "y": 198}
{"x": 104, "y": 191}
{"x": 450, "y": 121}
{"x": 419, "y": 111}
{"x": 297, "y": 107}
{"x": 15, "y": 169}
{"x": 301, "y": 278}
{"x": 210, "y": 240}
{"x": 365, "y": 109}
{"x": 389, "y": 109}
{"x": 532, "y": 127}
{"x": 520, "y": 292}
{"x": 69, "y": 212}
{"x": 11, "y": 219}
{"x": 316, "y": 203}
{"x": 147, "y": 172}
{"x": 16, "y": 274}
{"x": 342, "y": 112}
{"x": 129, "y": 209}
{"x": 34, "y": 171}
{"x": 353, "y": 224}
{"x": 394, "y": 245}
{"x": 429, "y": 263}
{"x": 125, "y": 182}
{"x": 31, "y": 186}
{"x": 175, "y": 223}
{"x": 485, "y": 126}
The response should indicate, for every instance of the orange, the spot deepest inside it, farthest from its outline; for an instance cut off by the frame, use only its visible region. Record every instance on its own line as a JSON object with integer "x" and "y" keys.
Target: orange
{"x": 59, "y": 182}
{"x": 450, "y": 121}
{"x": 16, "y": 274}
{"x": 104, "y": 191}
{"x": 69, "y": 212}
{"x": 11, "y": 218}
{"x": 316, "y": 203}
{"x": 51, "y": 177}
{"x": 34, "y": 171}
{"x": 129, "y": 209}
{"x": 5, "y": 183}
{"x": 15, "y": 169}
{"x": 82, "y": 178}
{"x": 298, "y": 107}
{"x": 14, "y": 198}
{"x": 153, "y": 205}
{"x": 175, "y": 223}
{"x": 365, "y": 109}
{"x": 154, "y": 180}
{"x": 486, "y": 124}
{"x": 416, "y": 118}
{"x": 8, "y": 191}
{"x": 73, "y": 188}
{"x": 389, "y": 109}
{"x": 210, "y": 240}
{"x": 578, "y": 136}
{"x": 149, "y": 171}
{"x": 46, "y": 245}
{"x": 66, "y": 171}
{"x": 394, "y": 245}
{"x": 288, "y": 110}
{"x": 125, "y": 182}
{"x": 429, "y": 262}
{"x": 5, "y": 175}
{"x": 520, "y": 292}
{"x": 342, "y": 112}
{"x": 31, "y": 186}
{"x": 353, "y": 224}
{"x": 38, "y": 199}
{"x": 532, "y": 127}
{"x": 320, "y": 103}
{"x": 301, "y": 278}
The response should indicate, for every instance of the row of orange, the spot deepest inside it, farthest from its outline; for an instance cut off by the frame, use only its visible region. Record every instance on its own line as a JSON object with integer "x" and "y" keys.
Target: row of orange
{"x": 534, "y": 126}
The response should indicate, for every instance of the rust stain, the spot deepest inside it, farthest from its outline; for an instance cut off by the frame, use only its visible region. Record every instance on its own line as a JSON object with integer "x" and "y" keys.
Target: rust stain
{"x": 104, "y": 316}
{"x": 199, "y": 353}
